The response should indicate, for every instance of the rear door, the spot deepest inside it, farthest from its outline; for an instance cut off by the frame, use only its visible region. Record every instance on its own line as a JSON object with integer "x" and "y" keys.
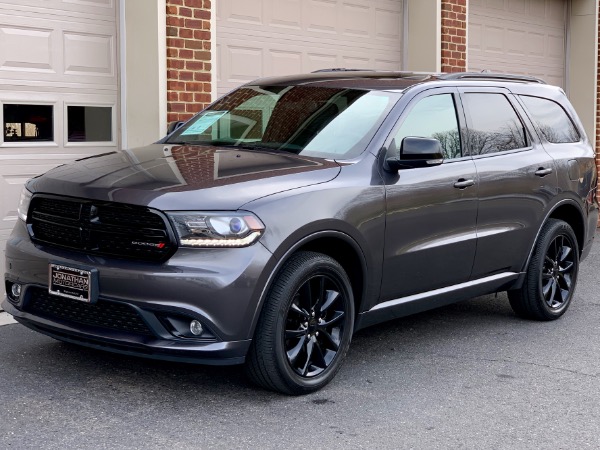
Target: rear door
{"x": 430, "y": 235}
{"x": 517, "y": 179}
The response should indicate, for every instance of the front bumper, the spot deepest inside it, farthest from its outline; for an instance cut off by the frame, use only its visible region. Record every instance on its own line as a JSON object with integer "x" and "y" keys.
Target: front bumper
{"x": 222, "y": 288}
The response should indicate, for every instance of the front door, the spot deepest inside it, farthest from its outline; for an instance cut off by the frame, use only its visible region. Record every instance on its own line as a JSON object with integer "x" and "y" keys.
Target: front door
{"x": 430, "y": 236}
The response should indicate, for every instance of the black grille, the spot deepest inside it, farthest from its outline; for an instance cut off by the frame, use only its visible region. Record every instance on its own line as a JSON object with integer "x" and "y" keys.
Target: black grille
{"x": 104, "y": 228}
{"x": 103, "y": 314}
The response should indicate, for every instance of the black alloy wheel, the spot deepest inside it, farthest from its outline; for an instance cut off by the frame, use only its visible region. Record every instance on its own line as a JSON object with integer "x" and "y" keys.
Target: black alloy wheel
{"x": 551, "y": 274}
{"x": 305, "y": 327}
{"x": 315, "y": 325}
{"x": 557, "y": 272}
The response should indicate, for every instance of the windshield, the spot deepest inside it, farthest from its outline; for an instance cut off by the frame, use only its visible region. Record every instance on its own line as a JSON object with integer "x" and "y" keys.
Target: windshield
{"x": 311, "y": 121}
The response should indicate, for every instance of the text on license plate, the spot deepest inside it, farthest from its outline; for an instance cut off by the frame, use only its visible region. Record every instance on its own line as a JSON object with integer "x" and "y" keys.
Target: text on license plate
{"x": 70, "y": 282}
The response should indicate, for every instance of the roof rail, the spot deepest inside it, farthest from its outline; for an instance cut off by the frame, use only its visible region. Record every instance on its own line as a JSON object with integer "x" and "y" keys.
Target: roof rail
{"x": 341, "y": 69}
{"x": 490, "y": 76}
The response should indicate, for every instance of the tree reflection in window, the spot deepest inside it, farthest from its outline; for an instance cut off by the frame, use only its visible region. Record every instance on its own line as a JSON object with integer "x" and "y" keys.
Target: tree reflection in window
{"x": 551, "y": 118}
{"x": 494, "y": 124}
{"x": 433, "y": 117}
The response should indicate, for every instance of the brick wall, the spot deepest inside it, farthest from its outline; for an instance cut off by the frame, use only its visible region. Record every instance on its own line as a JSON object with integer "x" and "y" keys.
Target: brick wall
{"x": 188, "y": 57}
{"x": 454, "y": 35}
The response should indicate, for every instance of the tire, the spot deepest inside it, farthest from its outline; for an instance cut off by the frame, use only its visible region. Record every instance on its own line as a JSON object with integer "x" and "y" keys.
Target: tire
{"x": 305, "y": 327}
{"x": 551, "y": 276}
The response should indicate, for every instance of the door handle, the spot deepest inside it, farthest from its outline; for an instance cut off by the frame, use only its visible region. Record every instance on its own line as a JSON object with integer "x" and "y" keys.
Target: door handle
{"x": 462, "y": 183}
{"x": 541, "y": 172}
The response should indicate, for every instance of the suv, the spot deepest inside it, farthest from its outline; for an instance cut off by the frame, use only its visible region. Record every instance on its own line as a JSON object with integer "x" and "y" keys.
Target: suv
{"x": 295, "y": 211}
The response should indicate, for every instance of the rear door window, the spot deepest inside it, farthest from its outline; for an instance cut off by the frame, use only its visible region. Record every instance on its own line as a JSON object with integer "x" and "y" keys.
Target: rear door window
{"x": 494, "y": 125}
{"x": 552, "y": 120}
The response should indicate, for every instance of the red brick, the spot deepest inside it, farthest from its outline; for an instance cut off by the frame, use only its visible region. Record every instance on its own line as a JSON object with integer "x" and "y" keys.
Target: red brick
{"x": 175, "y": 64}
{"x": 175, "y": 21}
{"x": 202, "y": 35}
{"x": 175, "y": 85}
{"x": 185, "y": 12}
{"x": 186, "y": 54}
{"x": 175, "y": 42}
{"x": 202, "y": 56}
{"x": 193, "y": 44}
{"x": 176, "y": 107}
{"x": 186, "y": 75}
{"x": 193, "y": 23}
{"x": 194, "y": 65}
{"x": 186, "y": 33}
{"x": 202, "y": 76}
{"x": 202, "y": 14}
{"x": 202, "y": 97}
{"x": 194, "y": 87}
{"x": 193, "y": 107}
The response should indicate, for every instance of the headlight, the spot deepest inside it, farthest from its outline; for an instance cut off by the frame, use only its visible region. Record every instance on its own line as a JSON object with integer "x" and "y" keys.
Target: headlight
{"x": 200, "y": 229}
{"x": 24, "y": 204}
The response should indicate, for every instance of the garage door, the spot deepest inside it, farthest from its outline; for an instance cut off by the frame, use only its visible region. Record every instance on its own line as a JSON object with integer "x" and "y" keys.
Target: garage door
{"x": 264, "y": 37}
{"x": 58, "y": 90}
{"x": 518, "y": 36}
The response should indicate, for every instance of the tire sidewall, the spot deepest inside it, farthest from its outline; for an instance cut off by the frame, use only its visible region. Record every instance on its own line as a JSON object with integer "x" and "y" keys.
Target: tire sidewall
{"x": 318, "y": 265}
{"x": 556, "y": 229}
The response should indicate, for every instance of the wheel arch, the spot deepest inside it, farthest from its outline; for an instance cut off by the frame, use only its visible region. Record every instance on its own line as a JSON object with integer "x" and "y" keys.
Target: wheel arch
{"x": 568, "y": 211}
{"x": 336, "y": 244}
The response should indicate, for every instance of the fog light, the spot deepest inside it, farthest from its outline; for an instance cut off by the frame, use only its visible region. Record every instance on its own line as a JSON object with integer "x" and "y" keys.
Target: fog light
{"x": 196, "y": 328}
{"x": 15, "y": 290}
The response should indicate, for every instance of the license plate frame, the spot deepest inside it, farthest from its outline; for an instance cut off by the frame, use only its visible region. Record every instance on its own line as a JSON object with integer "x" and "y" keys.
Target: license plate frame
{"x": 76, "y": 283}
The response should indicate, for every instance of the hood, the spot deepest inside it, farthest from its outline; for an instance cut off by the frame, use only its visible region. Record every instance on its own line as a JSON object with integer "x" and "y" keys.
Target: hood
{"x": 175, "y": 177}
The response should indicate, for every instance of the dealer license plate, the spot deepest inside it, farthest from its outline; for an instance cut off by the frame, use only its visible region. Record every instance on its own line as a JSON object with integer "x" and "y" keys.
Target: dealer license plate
{"x": 70, "y": 282}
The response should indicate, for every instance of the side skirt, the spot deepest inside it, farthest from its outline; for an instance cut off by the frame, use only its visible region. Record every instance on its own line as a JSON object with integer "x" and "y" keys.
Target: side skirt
{"x": 412, "y": 304}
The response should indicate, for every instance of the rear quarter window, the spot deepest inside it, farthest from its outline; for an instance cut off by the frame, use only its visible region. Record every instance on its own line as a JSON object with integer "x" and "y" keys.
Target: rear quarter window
{"x": 552, "y": 120}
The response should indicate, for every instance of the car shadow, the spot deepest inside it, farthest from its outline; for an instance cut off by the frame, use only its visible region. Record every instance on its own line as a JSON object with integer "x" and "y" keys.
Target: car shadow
{"x": 120, "y": 375}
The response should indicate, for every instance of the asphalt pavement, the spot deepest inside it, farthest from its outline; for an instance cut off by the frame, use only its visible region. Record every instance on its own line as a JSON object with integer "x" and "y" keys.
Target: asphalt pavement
{"x": 470, "y": 375}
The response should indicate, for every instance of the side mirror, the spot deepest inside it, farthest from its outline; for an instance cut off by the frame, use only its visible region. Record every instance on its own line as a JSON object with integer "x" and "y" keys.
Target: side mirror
{"x": 416, "y": 152}
{"x": 174, "y": 126}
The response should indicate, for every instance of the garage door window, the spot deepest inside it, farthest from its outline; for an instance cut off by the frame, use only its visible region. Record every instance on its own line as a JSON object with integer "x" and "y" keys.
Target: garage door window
{"x": 28, "y": 123}
{"x": 89, "y": 123}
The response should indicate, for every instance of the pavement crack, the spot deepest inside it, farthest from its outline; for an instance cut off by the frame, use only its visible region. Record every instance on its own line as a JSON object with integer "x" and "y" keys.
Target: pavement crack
{"x": 527, "y": 363}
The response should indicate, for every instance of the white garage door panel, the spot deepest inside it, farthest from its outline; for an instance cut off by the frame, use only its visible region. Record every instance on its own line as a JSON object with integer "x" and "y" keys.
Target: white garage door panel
{"x": 96, "y": 9}
{"x": 518, "y": 36}
{"x": 34, "y": 50}
{"x": 266, "y": 37}
{"x": 60, "y": 53}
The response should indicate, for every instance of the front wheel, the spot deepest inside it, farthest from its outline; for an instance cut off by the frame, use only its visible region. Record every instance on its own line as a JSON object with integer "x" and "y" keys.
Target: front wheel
{"x": 551, "y": 275}
{"x": 305, "y": 328}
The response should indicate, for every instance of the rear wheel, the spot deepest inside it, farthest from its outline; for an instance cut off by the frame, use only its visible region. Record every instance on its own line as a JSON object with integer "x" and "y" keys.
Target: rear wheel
{"x": 305, "y": 328}
{"x": 551, "y": 275}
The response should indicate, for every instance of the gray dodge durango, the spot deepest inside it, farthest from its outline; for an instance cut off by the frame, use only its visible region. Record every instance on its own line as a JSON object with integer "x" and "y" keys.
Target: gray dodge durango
{"x": 296, "y": 210}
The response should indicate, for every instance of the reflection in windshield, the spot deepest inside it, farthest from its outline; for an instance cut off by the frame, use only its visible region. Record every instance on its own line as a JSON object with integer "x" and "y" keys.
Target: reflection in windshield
{"x": 313, "y": 121}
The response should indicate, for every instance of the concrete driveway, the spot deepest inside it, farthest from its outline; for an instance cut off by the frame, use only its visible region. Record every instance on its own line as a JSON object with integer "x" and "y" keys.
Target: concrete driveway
{"x": 470, "y": 375}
